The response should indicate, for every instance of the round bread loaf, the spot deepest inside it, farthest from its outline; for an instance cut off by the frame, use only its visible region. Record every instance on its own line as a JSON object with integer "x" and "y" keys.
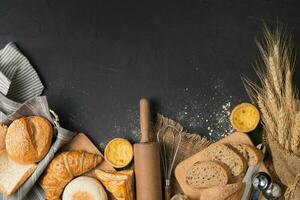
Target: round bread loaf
{"x": 84, "y": 188}
{"x": 28, "y": 139}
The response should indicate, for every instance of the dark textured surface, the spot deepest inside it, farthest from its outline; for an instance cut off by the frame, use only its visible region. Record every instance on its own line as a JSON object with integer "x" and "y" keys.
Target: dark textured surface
{"x": 97, "y": 58}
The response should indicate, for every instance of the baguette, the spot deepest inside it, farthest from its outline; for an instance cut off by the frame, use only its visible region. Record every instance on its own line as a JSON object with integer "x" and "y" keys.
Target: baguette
{"x": 224, "y": 154}
{"x": 207, "y": 174}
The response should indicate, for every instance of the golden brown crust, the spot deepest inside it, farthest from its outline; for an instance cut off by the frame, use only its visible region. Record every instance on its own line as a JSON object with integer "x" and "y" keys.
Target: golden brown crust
{"x": 63, "y": 168}
{"x": 28, "y": 139}
{"x": 120, "y": 184}
{"x": 3, "y": 130}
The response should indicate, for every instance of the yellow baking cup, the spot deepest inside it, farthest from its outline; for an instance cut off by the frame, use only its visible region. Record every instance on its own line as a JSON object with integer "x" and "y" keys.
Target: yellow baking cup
{"x": 245, "y": 117}
{"x": 118, "y": 152}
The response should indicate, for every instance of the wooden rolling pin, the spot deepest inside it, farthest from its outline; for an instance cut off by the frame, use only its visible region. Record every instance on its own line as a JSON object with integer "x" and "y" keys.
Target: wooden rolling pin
{"x": 147, "y": 160}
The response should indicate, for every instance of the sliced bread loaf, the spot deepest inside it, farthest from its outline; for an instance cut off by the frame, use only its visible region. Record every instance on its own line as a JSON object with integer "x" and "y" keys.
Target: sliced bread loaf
{"x": 221, "y": 192}
{"x": 224, "y": 154}
{"x": 252, "y": 155}
{"x": 207, "y": 174}
{"x": 13, "y": 174}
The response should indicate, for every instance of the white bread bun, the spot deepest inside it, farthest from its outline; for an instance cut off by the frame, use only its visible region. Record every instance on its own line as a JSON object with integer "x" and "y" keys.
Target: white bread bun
{"x": 84, "y": 188}
{"x": 13, "y": 174}
{"x": 28, "y": 139}
{"x": 3, "y": 130}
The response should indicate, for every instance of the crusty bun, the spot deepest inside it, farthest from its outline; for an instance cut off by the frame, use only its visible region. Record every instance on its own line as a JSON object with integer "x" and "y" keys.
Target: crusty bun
{"x": 3, "y": 130}
{"x": 28, "y": 139}
{"x": 84, "y": 188}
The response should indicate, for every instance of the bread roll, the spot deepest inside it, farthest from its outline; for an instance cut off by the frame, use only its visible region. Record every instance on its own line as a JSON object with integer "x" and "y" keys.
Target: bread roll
{"x": 3, "y": 130}
{"x": 28, "y": 139}
{"x": 84, "y": 188}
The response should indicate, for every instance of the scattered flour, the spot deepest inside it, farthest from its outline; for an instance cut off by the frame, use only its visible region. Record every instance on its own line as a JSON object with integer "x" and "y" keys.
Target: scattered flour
{"x": 211, "y": 119}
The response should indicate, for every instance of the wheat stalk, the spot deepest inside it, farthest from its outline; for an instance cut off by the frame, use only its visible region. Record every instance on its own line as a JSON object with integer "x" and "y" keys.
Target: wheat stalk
{"x": 295, "y": 141}
{"x": 271, "y": 98}
{"x": 267, "y": 120}
{"x": 275, "y": 97}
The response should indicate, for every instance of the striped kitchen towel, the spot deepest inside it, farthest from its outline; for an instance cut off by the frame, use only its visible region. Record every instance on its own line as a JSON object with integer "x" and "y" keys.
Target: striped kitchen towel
{"x": 19, "y": 82}
{"x": 18, "y": 79}
{"x": 34, "y": 106}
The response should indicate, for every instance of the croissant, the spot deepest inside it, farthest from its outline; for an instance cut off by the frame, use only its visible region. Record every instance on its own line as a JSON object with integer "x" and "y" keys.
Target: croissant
{"x": 63, "y": 168}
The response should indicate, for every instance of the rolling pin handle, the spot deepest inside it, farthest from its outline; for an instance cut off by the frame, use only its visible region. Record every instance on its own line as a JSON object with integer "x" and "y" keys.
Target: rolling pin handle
{"x": 145, "y": 120}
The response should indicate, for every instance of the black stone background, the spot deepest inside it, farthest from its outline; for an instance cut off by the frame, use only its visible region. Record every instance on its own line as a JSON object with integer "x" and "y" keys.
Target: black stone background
{"x": 97, "y": 58}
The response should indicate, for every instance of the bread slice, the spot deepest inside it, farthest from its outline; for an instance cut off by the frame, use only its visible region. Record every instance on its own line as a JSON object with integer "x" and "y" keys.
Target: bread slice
{"x": 221, "y": 192}
{"x": 224, "y": 154}
{"x": 207, "y": 174}
{"x": 13, "y": 174}
{"x": 252, "y": 155}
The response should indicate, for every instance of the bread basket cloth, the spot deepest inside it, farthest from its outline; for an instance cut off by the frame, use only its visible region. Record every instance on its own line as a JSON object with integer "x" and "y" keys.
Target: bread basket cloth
{"x": 15, "y": 69}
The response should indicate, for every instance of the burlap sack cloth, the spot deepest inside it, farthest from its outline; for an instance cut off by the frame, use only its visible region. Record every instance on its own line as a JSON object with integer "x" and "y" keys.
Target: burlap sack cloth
{"x": 191, "y": 143}
{"x": 287, "y": 168}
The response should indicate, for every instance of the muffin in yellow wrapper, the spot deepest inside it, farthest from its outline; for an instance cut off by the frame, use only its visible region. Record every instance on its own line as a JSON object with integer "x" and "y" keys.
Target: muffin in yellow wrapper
{"x": 245, "y": 117}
